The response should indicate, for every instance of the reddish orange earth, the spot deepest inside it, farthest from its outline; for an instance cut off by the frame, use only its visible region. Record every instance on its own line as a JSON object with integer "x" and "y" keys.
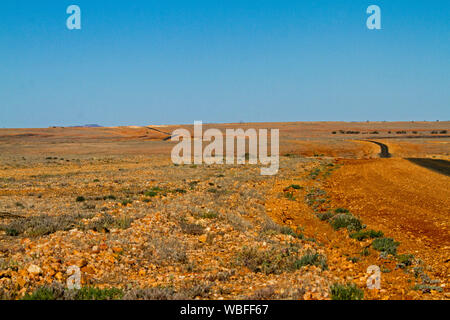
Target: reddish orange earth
{"x": 407, "y": 202}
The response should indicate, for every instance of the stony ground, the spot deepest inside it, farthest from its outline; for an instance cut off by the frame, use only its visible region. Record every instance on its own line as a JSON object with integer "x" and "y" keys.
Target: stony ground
{"x": 153, "y": 230}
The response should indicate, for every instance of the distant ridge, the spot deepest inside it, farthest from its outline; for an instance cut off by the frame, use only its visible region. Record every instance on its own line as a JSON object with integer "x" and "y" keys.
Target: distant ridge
{"x": 94, "y": 125}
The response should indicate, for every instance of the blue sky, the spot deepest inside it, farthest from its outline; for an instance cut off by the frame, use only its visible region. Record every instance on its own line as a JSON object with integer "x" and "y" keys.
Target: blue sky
{"x": 167, "y": 62}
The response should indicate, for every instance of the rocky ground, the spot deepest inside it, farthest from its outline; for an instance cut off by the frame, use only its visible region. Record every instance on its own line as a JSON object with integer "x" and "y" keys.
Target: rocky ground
{"x": 144, "y": 228}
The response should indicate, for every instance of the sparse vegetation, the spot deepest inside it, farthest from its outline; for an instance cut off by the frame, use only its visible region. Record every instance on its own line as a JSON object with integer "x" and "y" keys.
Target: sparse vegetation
{"x": 208, "y": 215}
{"x": 142, "y": 221}
{"x": 426, "y": 288}
{"x": 405, "y": 260}
{"x": 311, "y": 259}
{"x": 44, "y": 224}
{"x": 348, "y": 221}
{"x": 168, "y": 250}
{"x": 346, "y": 292}
{"x": 387, "y": 245}
{"x": 369, "y": 234}
{"x": 270, "y": 226}
{"x": 57, "y": 291}
{"x": 325, "y": 216}
{"x": 107, "y": 222}
{"x": 271, "y": 261}
{"x": 192, "y": 228}
{"x": 290, "y": 196}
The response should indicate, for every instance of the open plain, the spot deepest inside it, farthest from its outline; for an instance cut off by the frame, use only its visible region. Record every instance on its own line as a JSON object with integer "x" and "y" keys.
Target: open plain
{"x": 110, "y": 202}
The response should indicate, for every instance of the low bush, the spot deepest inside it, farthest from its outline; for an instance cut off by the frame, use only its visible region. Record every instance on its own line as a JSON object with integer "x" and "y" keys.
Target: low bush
{"x": 348, "y": 221}
{"x": 108, "y": 222}
{"x": 346, "y": 292}
{"x": 369, "y": 234}
{"x": 325, "y": 216}
{"x": 44, "y": 225}
{"x": 311, "y": 259}
{"x": 169, "y": 250}
{"x": 405, "y": 259}
{"x": 387, "y": 245}
{"x": 192, "y": 228}
{"x": 270, "y": 226}
{"x": 271, "y": 261}
{"x": 59, "y": 292}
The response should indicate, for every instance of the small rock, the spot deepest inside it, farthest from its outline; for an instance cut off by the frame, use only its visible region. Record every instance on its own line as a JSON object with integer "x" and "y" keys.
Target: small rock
{"x": 34, "y": 269}
{"x": 202, "y": 238}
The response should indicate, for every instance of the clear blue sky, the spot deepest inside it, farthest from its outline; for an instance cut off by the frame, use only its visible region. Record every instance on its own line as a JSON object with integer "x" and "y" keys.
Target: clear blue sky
{"x": 167, "y": 62}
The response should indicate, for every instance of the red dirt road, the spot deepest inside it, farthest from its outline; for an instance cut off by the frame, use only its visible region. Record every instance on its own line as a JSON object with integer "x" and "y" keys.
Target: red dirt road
{"x": 407, "y": 202}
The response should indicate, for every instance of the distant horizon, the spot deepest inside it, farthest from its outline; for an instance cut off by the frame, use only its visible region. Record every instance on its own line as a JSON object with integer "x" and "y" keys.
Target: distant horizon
{"x": 99, "y": 125}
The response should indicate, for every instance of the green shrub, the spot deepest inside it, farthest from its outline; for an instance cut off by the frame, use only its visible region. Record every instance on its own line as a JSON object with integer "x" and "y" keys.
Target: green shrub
{"x": 311, "y": 259}
{"x": 127, "y": 202}
{"x": 365, "y": 252}
{"x": 315, "y": 196}
{"x": 272, "y": 261}
{"x": 151, "y": 193}
{"x": 208, "y": 215}
{"x": 346, "y": 292}
{"x": 290, "y": 196}
{"x": 369, "y": 234}
{"x": 405, "y": 259}
{"x": 426, "y": 288}
{"x": 353, "y": 259}
{"x": 346, "y": 221}
{"x": 325, "y": 216}
{"x": 385, "y": 270}
{"x": 108, "y": 222}
{"x": 20, "y": 205}
{"x": 341, "y": 210}
{"x": 290, "y": 232}
{"x": 80, "y": 199}
{"x": 59, "y": 292}
{"x": 43, "y": 293}
{"x": 44, "y": 225}
{"x": 270, "y": 226}
{"x": 89, "y": 293}
{"x": 315, "y": 172}
{"x": 154, "y": 191}
{"x": 295, "y": 186}
{"x": 386, "y": 245}
{"x": 12, "y": 232}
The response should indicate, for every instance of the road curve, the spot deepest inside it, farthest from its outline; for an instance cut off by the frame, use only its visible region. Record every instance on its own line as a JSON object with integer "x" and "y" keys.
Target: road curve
{"x": 384, "y": 149}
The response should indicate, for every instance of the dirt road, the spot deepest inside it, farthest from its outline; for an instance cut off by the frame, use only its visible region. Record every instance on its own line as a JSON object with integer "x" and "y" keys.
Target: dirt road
{"x": 384, "y": 149}
{"x": 407, "y": 202}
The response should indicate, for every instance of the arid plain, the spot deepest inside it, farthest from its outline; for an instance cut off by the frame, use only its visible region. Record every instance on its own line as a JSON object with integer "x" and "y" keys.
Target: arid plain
{"x": 111, "y": 202}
